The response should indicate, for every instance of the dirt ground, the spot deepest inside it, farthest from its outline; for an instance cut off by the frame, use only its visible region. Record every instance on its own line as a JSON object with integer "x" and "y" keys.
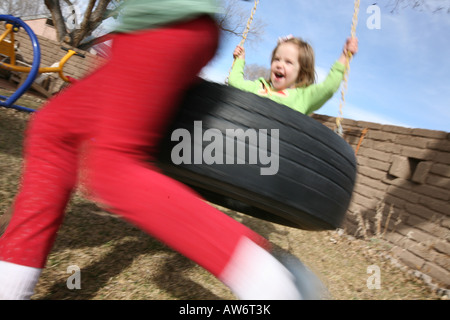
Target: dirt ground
{"x": 118, "y": 261}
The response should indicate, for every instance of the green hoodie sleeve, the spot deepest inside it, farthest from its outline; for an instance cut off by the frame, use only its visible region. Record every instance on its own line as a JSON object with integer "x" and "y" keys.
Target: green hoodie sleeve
{"x": 315, "y": 96}
{"x": 236, "y": 78}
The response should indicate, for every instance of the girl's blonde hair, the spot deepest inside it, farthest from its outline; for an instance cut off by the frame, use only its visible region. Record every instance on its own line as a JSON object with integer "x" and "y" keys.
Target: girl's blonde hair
{"x": 307, "y": 74}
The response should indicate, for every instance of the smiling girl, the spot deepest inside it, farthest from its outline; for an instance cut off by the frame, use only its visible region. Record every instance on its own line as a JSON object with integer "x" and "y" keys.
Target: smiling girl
{"x": 292, "y": 75}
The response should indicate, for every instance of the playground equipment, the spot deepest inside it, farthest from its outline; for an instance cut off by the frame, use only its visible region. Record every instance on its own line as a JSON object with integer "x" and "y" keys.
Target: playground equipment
{"x": 8, "y": 52}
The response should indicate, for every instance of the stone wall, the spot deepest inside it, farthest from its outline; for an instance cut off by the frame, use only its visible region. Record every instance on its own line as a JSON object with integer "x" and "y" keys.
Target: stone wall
{"x": 402, "y": 192}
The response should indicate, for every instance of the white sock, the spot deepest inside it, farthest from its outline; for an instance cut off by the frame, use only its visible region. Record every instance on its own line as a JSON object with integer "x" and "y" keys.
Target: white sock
{"x": 254, "y": 274}
{"x": 17, "y": 282}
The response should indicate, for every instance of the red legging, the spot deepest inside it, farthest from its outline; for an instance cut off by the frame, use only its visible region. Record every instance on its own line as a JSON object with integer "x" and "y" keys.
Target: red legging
{"x": 105, "y": 128}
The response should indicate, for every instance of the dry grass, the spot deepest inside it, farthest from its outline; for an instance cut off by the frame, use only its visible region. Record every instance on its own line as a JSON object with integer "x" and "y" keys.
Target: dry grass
{"x": 118, "y": 261}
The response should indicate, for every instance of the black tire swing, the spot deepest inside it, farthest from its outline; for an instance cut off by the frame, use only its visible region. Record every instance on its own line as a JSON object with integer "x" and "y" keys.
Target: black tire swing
{"x": 307, "y": 183}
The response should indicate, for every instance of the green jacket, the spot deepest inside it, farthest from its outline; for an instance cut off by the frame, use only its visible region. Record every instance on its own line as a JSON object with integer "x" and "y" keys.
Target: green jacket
{"x": 147, "y": 14}
{"x": 305, "y": 100}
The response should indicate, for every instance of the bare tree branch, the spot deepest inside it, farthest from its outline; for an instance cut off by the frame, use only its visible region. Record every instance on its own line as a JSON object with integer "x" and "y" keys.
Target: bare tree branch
{"x": 422, "y": 5}
{"x": 58, "y": 20}
{"x": 20, "y": 8}
{"x": 256, "y": 71}
{"x": 93, "y": 16}
{"x": 234, "y": 21}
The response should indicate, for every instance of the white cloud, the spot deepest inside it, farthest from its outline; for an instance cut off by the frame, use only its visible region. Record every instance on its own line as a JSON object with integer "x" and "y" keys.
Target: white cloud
{"x": 354, "y": 112}
{"x": 213, "y": 74}
{"x": 321, "y": 73}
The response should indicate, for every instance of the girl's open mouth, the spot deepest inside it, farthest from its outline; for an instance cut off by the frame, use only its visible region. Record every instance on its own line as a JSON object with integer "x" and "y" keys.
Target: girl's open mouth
{"x": 278, "y": 75}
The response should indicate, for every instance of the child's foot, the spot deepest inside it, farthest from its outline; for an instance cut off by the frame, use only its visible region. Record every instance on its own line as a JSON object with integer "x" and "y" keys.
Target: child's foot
{"x": 307, "y": 283}
{"x": 256, "y": 274}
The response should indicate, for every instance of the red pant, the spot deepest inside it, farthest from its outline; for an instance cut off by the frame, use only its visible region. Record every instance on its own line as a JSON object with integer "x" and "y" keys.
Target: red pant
{"x": 109, "y": 125}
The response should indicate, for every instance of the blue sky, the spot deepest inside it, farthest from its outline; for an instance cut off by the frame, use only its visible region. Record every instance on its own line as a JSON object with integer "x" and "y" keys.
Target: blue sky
{"x": 400, "y": 76}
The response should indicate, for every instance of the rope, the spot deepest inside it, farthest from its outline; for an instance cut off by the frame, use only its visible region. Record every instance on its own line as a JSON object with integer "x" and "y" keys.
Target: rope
{"x": 245, "y": 33}
{"x": 249, "y": 22}
{"x": 339, "y": 129}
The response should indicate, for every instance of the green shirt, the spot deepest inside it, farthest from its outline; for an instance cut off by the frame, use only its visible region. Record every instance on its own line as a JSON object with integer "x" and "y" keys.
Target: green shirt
{"x": 305, "y": 99}
{"x": 147, "y": 14}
